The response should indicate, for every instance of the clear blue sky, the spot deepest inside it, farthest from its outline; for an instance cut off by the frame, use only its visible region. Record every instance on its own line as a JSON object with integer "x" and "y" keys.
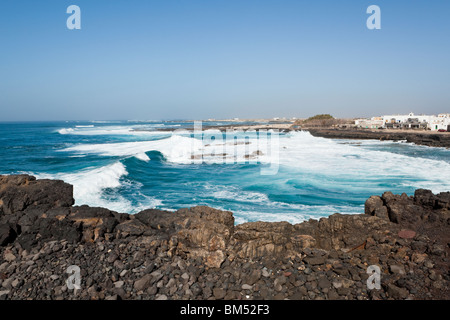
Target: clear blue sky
{"x": 198, "y": 59}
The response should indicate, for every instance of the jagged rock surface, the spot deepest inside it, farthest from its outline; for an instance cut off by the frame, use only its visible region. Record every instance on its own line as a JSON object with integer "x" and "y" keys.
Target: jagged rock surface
{"x": 199, "y": 253}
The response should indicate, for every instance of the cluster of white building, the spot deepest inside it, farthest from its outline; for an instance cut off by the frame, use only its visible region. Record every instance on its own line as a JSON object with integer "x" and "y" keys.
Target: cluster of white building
{"x": 409, "y": 121}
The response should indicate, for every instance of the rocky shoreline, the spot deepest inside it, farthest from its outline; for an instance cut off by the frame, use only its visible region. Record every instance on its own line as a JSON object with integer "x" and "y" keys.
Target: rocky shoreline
{"x": 420, "y": 137}
{"x": 199, "y": 253}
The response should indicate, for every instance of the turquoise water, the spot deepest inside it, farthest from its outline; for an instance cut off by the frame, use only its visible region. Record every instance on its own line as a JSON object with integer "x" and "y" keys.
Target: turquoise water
{"x": 128, "y": 166}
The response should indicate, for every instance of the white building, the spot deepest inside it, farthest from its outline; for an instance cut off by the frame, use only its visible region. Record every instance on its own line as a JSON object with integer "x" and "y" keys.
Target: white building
{"x": 411, "y": 117}
{"x": 441, "y": 122}
{"x": 411, "y": 121}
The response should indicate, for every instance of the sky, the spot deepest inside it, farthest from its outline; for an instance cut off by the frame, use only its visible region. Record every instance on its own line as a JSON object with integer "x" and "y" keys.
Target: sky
{"x": 200, "y": 59}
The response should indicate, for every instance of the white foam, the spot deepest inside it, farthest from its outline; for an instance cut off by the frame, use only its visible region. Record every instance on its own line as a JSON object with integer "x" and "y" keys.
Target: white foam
{"x": 344, "y": 162}
{"x": 91, "y": 130}
{"x": 142, "y": 156}
{"x": 177, "y": 149}
{"x": 326, "y": 163}
{"x": 89, "y": 186}
{"x": 66, "y": 131}
{"x": 243, "y": 196}
{"x": 89, "y": 183}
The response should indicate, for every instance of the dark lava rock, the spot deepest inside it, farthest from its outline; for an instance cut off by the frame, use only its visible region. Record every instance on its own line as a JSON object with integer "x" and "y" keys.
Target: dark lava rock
{"x": 199, "y": 253}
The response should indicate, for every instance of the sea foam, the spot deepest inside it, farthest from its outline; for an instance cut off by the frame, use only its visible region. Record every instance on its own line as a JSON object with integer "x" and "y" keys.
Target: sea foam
{"x": 343, "y": 166}
{"x": 90, "y": 184}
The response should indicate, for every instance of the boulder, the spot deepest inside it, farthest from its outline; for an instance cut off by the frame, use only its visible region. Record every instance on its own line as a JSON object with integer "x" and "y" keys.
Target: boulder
{"x": 403, "y": 210}
{"x": 425, "y": 198}
{"x": 131, "y": 227}
{"x": 203, "y": 232}
{"x": 18, "y": 192}
{"x": 95, "y": 222}
{"x": 156, "y": 219}
{"x": 443, "y": 200}
{"x": 374, "y": 206}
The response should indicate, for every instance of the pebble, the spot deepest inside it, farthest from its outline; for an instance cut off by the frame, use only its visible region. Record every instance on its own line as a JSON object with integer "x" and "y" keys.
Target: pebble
{"x": 218, "y": 293}
{"x": 324, "y": 283}
{"x": 397, "y": 269}
{"x": 143, "y": 282}
{"x": 123, "y": 273}
{"x": 8, "y": 256}
{"x": 185, "y": 276}
{"x": 112, "y": 257}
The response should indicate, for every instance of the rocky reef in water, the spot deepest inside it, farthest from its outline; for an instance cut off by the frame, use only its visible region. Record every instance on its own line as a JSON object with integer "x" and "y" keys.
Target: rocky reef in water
{"x": 199, "y": 253}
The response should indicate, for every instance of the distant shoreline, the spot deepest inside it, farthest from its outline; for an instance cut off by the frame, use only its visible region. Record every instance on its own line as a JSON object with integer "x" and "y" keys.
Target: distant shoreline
{"x": 419, "y": 137}
{"x": 426, "y": 138}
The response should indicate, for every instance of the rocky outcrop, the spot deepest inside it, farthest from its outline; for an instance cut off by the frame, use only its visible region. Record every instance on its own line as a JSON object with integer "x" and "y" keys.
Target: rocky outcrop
{"x": 417, "y": 137}
{"x": 423, "y": 211}
{"x": 199, "y": 253}
{"x": 20, "y": 192}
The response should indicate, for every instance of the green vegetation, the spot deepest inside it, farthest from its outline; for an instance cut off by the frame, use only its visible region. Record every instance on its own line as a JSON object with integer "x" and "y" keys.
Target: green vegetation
{"x": 320, "y": 117}
{"x": 320, "y": 120}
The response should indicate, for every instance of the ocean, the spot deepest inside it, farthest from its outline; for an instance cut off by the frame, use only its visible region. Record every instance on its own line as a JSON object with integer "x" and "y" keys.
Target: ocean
{"x": 128, "y": 166}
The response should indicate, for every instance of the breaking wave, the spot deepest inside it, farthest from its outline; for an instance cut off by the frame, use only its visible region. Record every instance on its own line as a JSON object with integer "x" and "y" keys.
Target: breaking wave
{"x": 89, "y": 188}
